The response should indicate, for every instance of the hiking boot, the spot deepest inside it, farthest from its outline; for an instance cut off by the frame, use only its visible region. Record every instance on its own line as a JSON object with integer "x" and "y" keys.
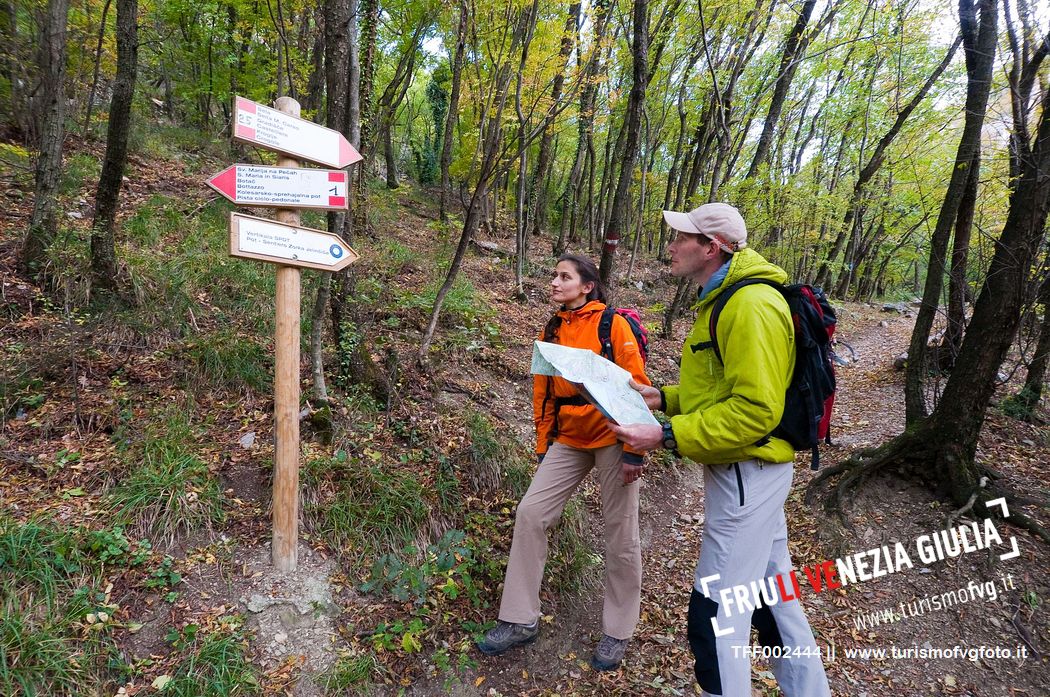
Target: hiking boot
{"x": 608, "y": 653}
{"x": 507, "y": 635}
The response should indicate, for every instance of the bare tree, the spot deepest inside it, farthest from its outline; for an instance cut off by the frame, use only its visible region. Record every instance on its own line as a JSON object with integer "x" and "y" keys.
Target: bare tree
{"x": 633, "y": 120}
{"x": 103, "y": 244}
{"x": 979, "y": 39}
{"x": 43, "y": 223}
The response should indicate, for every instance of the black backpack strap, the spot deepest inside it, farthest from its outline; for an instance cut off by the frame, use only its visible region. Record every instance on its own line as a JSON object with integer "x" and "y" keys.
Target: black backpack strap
{"x": 720, "y": 303}
{"x": 605, "y": 333}
{"x": 543, "y": 409}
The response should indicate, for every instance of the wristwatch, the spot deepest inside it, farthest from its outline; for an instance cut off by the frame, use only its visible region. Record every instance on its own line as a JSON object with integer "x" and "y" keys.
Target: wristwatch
{"x": 669, "y": 442}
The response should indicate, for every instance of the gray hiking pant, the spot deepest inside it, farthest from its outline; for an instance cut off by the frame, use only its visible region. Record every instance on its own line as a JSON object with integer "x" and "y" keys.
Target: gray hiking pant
{"x": 744, "y": 549}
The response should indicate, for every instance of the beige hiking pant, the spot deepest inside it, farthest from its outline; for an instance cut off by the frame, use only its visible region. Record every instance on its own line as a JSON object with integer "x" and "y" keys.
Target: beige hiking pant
{"x": 562, "y": 470}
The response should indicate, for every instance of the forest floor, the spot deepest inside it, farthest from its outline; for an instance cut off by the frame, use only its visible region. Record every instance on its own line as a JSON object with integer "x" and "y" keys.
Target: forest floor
{"x": 174, "y": 393}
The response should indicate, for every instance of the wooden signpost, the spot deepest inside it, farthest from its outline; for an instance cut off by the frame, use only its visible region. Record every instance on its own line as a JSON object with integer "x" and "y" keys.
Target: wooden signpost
{"x": 285, "y": 243}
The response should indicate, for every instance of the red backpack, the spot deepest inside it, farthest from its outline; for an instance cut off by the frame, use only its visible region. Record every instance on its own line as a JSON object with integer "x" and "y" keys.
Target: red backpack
{"x": 634, "y": 320}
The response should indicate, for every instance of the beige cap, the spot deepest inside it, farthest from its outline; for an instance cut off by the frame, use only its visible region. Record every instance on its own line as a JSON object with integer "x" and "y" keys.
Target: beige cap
{"x": 719, "y": 221}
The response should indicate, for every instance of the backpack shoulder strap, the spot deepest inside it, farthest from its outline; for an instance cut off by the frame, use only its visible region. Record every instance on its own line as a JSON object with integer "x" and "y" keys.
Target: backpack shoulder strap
{"x": 605, "y": 332}
{"x": 720, "y": 303}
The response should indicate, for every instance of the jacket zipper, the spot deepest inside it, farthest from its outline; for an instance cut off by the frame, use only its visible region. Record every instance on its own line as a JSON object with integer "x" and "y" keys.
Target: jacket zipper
{"x": 739, "y": 482}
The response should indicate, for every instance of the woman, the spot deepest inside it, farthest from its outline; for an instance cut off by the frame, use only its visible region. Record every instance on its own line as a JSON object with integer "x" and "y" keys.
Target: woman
{"x": 573, "y": 438}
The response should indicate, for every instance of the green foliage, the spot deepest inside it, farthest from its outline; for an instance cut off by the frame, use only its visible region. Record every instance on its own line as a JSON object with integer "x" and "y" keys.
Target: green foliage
{"x": 446, "y": 568}
{"x": 463, "y": 311}
{"x": 163, "y": 576}
{"x": 1021, "y": 405}
{"x": 111, "y": 546}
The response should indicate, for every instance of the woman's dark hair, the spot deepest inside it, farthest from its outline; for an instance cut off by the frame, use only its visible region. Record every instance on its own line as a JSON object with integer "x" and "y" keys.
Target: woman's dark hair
{"x": 588, "y": 274}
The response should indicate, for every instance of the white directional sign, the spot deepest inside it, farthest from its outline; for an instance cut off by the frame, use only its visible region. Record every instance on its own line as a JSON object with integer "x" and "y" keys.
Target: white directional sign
{"x": 290, "y": 245}
{"x": 283, "y": 187}
{"x": 260, "y": 125}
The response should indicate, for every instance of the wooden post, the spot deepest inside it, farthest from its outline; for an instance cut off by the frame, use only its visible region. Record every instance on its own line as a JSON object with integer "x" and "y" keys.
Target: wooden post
{"x": 285, "y": 546}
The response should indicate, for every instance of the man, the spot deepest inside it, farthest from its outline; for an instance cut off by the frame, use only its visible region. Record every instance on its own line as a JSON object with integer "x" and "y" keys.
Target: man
{"x": 722, "y": 416}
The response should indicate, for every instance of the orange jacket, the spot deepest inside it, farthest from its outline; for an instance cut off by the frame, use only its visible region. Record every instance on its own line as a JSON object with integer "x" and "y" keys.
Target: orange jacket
{"x": 582, "y": 426}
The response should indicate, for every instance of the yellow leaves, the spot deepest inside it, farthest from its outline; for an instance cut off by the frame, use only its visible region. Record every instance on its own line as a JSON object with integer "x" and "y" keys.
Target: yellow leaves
{"x": 161, "y": 682}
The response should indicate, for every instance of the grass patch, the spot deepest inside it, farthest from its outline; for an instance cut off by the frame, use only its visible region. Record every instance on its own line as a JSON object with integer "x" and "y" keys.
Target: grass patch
{"x": 493, "y": 461}
{"x": 158, "y": 141}
{"x": 229, "y": 360}
{"x": 51, "y": 640}
{"x": 375, "y": 508}
{"x": 215, "y": 667}
{"x": 151, "y": 221}
{"x": 351, "y": 674}
{"x": 81, "y": 169}
{"x": 188, "y": 275}
{"x": 169, "y": 489}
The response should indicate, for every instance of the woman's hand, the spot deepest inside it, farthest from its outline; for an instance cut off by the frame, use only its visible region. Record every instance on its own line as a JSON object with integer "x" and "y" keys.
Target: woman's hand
{"x": 631, "y": 473}
{"x": 651, "y": 395}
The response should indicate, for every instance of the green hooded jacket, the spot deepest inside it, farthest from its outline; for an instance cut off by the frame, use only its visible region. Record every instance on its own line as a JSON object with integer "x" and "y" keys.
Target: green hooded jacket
{"x": 719, "y": 413}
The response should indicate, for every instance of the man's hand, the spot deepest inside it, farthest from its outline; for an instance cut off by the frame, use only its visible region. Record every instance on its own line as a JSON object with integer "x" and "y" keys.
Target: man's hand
{"x": 640, "y": 437}
{"x": 631, "y": 473}
{"x": 651, "y": 395}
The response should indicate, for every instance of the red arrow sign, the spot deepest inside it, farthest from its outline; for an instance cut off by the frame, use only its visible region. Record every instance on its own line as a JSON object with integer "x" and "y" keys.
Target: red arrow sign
{"x": 283, "y": 187}
{"x": 273, "y": 130}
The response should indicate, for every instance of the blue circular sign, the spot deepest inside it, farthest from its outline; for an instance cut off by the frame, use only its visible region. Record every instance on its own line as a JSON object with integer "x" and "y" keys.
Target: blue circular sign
{"x": 336, "y": 251}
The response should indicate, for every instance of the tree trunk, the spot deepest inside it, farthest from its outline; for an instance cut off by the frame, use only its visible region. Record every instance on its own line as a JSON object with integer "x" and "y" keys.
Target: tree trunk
{"x": 103, "y": 244}
{"x": 979, "y": 45}
{"x": 12, "y": 69}
{"x": 98, "y": 66}
{"x": 996, "y": 316}
{"x": 315, "y": 86}
{"x": 368, "y": 18}
{"x": 394, "y": 94}
{"x": 957, "y": 276}
{"x": 520, "y": 203}
{"x": 941, "y": 447}
{"x": 540, "y": 184}
{"x": 635, "y": 103}
{"x": 794, "y": 45}
{"x": 43, "y": 223}
{"x": 388, "y": 156}
{"x": 337, "y": 22}
{"x": 1024, "y": 403}
{"x": 453, "y": 106}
